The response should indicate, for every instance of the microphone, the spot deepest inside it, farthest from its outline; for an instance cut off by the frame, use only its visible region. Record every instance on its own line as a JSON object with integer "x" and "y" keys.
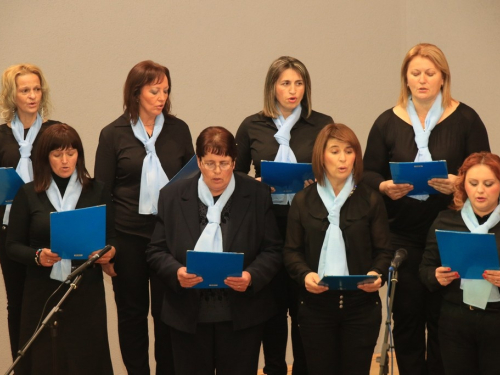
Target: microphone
{"x": 88, "y": 263}
{"x": 399, "y": 258}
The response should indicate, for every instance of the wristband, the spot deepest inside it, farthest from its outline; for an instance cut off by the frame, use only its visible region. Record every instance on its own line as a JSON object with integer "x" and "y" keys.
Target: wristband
{"x": 37, "y": 257}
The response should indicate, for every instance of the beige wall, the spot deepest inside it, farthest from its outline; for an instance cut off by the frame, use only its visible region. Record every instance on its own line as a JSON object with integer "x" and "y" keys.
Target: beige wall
{"x": 218, "y": 52}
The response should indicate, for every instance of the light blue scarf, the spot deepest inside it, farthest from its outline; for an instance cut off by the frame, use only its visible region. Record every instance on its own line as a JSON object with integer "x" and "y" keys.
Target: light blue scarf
{"x": 24, "y": 167}
{"x": 333, "y": 261}
{"x": 422, "y": 135}
{"x": 153, "y": 177}
{"x": 211, "y": 237}
{"x": 285, "y": 153}
{"x": 479, "y": 292}
{"x": 62, "y": 269}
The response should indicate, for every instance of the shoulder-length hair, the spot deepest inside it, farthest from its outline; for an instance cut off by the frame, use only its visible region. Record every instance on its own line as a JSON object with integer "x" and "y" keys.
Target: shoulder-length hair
{"x": 216, "y": 140}
{"x": 273, "y": 74}
{"x": 144, "y": 73}
{"x": 433, "y": 53}
{"x": 342, "y": 133}
{"x": 9, "y": 89}
{"x": 57, "y": 137}
{"x": 492, "y": 161}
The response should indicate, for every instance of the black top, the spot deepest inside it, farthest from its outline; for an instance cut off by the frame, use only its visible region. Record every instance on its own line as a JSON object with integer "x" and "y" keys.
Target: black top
{"x": 29, "y": 226}
{"x": 256, "y": 142}
{"x": 363, "y": 221}
{"x": 9, "y": 148}
{"x": 392, "y": 139}
{"x": 118, "y": 164}
{"x": 446, "y": 220}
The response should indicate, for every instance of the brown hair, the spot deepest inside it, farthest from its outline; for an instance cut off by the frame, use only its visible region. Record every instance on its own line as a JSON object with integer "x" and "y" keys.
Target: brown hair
{"x": 273, "y": 74}
{"x": 9, "y": 89}
{"x": 216, "y": 140}
{"x": 144, "y": 73}
{"x": 433, "y": 53}
{"x": 342, "y": 133}
{"x": 492, "y": 161}
{"x": 55, "y": 137}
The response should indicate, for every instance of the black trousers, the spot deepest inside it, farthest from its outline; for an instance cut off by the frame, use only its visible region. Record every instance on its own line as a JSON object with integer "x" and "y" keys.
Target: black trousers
{"x": 14, "y": 274}
{"x": 217, "y": 348}
{"x": 132, "y": 288}
{"x": 275, "y": 338}
{"x": 415, "y": 309}
{"x": 340, "y": 333}
{"x": 469, "y": 340}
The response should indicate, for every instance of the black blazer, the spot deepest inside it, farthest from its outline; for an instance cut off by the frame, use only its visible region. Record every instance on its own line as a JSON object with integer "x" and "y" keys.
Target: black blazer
{"x": 252, "y": 231}
{"x": 363, "y": 221}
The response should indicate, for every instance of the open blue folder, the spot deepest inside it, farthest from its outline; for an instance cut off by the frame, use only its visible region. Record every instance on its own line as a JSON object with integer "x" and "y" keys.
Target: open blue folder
{"x": 418, "y": 174}
{"x": 350, "y": 282}
{"x": 189, "y": 170}
{"x": 286, "y": 178}
{"x": 470, "y": 254}
{"x": 75, "y": 234}
{"x": 214, "y": 267}
{"x": 10, "y": 182}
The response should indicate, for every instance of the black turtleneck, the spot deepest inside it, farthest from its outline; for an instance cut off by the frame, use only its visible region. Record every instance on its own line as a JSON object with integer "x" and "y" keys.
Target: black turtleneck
{"x": 62, "y": 183}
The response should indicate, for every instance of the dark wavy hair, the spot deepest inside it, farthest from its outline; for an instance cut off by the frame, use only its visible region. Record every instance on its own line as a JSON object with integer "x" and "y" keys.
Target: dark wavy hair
{"x": 56, "y": 137}
{"x": 144, "y": 73}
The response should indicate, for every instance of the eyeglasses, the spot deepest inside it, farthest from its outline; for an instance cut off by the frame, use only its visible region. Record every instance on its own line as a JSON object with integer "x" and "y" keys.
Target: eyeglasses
{"x": 223, "y": 165}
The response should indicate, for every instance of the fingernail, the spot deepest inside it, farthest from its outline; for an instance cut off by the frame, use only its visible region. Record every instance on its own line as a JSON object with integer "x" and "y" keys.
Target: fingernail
{"x": 456, "y": 274}
{"x": 449, "y": 269}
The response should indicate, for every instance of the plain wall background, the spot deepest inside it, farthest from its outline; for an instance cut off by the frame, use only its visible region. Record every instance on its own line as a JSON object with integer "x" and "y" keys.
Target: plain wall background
{"x": 218, "y": 52}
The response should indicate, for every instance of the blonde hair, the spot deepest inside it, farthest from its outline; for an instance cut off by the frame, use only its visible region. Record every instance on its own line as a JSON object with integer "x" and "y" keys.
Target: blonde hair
{"x": 277, "y": 67}
{"x": 9, "y": 88}
{"x": 434, "y": 54}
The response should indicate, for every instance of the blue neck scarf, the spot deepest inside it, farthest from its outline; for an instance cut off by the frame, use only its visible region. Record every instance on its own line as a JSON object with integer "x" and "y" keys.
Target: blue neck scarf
{"x": 285, "y": 153}
{"x": 333, "y": 260}
{"x": 62, "y": 269}
{"x": 479, "y": 292}
{"x": 24, "y": 167}
{"x": 422, "y": 135}
{"x": 153, "y": 177}
{"x": 211, "y": 237}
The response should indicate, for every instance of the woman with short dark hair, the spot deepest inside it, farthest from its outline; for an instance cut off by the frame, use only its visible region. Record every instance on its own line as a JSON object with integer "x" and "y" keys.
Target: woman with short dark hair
{"x": 338, "y": 227}
{"x": 216, "y": 330}
{"x": 137, "y": 155}
{"x": 61, "y": 183}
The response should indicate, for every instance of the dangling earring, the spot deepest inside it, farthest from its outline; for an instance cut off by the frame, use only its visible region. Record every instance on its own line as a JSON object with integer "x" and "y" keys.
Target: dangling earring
{"x": 41, "y": 114}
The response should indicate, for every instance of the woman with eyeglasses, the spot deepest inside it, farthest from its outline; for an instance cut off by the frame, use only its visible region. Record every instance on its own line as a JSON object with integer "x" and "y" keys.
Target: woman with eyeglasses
{"x": 216, "y": 330}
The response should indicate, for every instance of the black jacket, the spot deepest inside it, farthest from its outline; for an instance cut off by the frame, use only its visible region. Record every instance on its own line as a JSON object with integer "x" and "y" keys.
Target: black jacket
{"x": 252, "y": 231}
{"x": 363, "y": 221}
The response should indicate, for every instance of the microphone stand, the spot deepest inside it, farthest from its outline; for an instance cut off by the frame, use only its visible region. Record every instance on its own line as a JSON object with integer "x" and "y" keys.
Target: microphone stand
{"x": 384, "y": 355}
{"x": 49, "y": 319}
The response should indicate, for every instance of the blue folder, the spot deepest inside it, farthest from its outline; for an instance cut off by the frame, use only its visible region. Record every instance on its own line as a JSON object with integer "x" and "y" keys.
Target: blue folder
{"x": 349, "y": 282}
{"x": 75, "y": 234}
{"x": 214, "y": 267}
{"x": 418, "y": 174}
{"x": 470, "y": 254}
{"x": 189, "y": 170}
{"x": 10, "y": 182}
{"x": 286, "y": 178}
